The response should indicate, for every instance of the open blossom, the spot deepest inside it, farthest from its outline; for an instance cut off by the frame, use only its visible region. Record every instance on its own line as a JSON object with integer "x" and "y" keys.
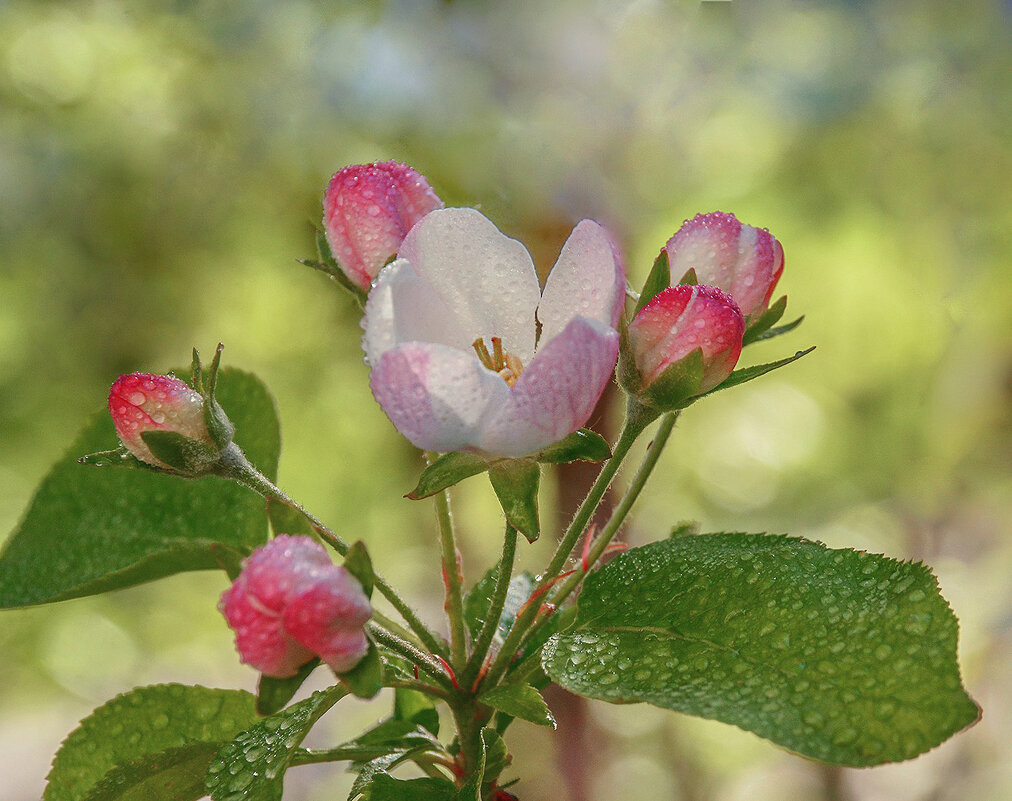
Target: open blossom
{"x": 745, "y": 262}
{"x": 141, "y": 402}
{"x": 291, "y": 603}
{"x": 451, "y": 334}
{"x": 681, "y": 319}
{"x": 367, "y": 210}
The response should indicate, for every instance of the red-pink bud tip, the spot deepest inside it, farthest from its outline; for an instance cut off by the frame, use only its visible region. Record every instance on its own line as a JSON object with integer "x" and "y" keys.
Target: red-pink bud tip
{"x": 291, "y": 603}
{"x": 367, "y": 211}
{"x": 141, "y": 402}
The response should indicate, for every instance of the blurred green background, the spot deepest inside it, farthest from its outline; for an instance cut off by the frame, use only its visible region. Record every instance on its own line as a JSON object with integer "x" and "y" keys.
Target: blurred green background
{"x": 162, "y": 165}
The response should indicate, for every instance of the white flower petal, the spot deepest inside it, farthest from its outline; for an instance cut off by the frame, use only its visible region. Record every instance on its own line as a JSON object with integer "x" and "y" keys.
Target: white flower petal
{"x": 438, "y": 397}
{"x": 487, "y": 279}
{"x": 556, "y": 393}
{"x": 587, "y": 281}
{"x": 404, "y": 307}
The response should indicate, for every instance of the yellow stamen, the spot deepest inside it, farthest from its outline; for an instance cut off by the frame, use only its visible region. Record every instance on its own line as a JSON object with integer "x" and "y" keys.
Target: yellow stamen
{"x": 507, "y": 365}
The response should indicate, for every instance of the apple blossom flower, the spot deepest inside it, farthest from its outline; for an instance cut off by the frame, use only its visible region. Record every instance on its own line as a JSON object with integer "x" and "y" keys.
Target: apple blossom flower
{"x": 452, "y": 336}
{"x": 680, "y": 320}
{"x": 141, "y": 402}
{"x": 367, "y": 210}
{"x": 291, "y": 603}
{"x": 744, "y": 261}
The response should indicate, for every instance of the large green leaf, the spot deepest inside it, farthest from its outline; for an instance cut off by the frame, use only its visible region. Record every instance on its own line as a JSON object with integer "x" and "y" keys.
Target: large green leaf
{"x": 167, "y": 729}
{"x": 843, "y": 656}
{"x": 252, "y": 766}
{"x": 93, "y": 529}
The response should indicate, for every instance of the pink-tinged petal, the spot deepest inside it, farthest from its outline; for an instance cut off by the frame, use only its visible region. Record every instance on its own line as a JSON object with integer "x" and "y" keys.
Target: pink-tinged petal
{"x": 486, "y": 278}
{"x": 436, "y": 396}
{"x": 328, "y": 619}
{"x": 368, "y": 209}
{"x": 260, "y": 637}
{"x": 587, "y": 281}
{"x": 744, "y": 261}
{"x": 681, "y": 319}
{"x": 404, "y": 307}
{"x": 557, "y": 391}
{"x": 141, "y": 402}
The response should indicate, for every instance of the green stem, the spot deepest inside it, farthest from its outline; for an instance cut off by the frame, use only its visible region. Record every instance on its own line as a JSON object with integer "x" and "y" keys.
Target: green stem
{"x": 618, "y": 517}
{"x": 416, "y": 657}
{"x": 638, "y": 417}
{"x": 454, "y": 603}
{"x": 496, "y": 605}
{"x": 236, "y": 466}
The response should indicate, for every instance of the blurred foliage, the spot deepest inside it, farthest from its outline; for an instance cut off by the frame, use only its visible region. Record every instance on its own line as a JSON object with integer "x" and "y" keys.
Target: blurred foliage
{"x": 162, "y": 165}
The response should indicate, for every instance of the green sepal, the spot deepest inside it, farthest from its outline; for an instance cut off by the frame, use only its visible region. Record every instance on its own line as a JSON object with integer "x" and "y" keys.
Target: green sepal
{"x": 689, "y": 279}
{"x": 746, "y": 374}
{"x": 358, "y": 563}
{"x": 582, "y": 445}
{"x": 764, "y": 321}
{"x": 273, "y": 694}
{"x": 219, "y": 427}
{"x": 657, "y": 281}
{"x": 676, "y": 385}
{"x": 120, "y": 457}
{"x": 780, "y": 329}
{"x": 445, "y": 471}
{"x": 189, "y": 457}
{"x": 417, "y": 708}
{"x": 366, "y": 678}
{"x": 327, "y": 264}
{"x": 286, "y": 520}
{"x": 519, "y": 701}
{"x": 515, "y": 482}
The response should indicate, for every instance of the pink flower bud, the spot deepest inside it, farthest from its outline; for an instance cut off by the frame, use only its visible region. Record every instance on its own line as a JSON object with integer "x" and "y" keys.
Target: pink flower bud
{"x": 681, "y": 319}
{"x": 367, "y": 211}
{"x": 140, "y": 402}
{"x": 291, "y": 603}
{"x": 745, "y": 262}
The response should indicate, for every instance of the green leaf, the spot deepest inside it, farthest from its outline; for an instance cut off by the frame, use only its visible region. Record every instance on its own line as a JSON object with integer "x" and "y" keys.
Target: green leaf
{"x": 252, "y": 766}
{"x": 583, "y": 445}
{"x": 175, "y": 774}
{"x": 366, "y": 678}
{"x": 657, "y": 281}
{"x": 677, "y": 383}
{"x": 765, "y": 321}
{"x": 417, "y": 708}
{"x": 479, "y": 599}
{"x": 519, "y": 701}
{"x": 780, "y": 329}
{"x": 515, "y": 482}
{"x": 843, "y": 656}
{"x": 358, "y": 563}
{"x": 750, "y": 373}
{"x": 93, "y": 529}
{"x": 273, "y": 694}
{"x": 445, "y": 471}
{"x": 494, "y": 757}
{"x": 148, "y": 723}
{"x": 385, "y": 787}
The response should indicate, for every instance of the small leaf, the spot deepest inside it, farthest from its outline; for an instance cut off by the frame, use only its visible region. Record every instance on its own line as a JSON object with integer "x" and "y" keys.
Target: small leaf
{"x": 358, "y": 563}
{"x": 765, "y": 321}
{"x": 273, "y": 694}
{"x": 175, "y": 774}
{"x": 385, "y": 787}
{"x": 583, "y": 445}
{"x": 252, "y": 766}
{"x": 93, "y": 529}
{"x": 780, "y": 329}
{"x": 519, "y": 701}
{"x": 750, "y": 373}
{"x": 479, "y": 599}
{"x": 842, "y": 656}
{"x": 417, "y": 708}
{"x": 515, "y": 482}
{"x": 366, "y": 678}
{"x": 657, "y": 281}
{"x": 146, "y": 723}
{"x": 445, "y": 471}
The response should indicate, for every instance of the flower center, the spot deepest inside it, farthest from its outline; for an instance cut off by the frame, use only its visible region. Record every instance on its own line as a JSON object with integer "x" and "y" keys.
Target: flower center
{"x": 508, "y": 365}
